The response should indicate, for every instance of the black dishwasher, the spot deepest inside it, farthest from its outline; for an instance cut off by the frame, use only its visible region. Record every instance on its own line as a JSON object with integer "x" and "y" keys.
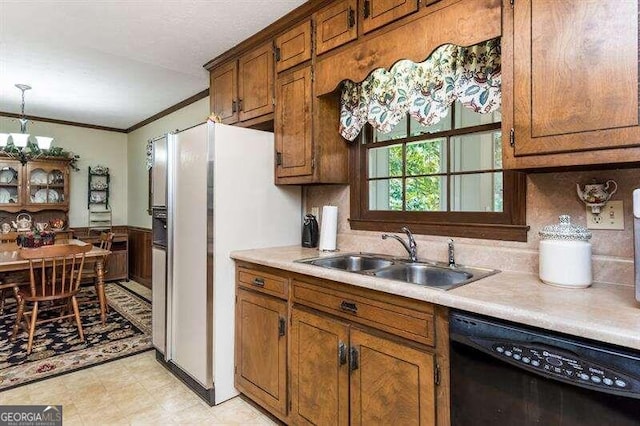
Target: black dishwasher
{"x": 506, "y": 374}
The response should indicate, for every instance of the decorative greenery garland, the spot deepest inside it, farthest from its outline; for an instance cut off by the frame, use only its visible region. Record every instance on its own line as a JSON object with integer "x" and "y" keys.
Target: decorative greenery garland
{"x": 32, "y": 151}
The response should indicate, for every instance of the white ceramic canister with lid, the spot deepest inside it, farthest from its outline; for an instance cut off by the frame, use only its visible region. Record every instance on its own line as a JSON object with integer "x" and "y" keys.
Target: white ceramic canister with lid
{"x": 565, "y": 254}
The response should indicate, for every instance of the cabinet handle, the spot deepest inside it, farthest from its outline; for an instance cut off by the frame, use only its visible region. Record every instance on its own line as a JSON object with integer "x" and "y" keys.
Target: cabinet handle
{"x": 350, "y": 307}
{"x": 353, "y": 359}
{"x": 367, "y": 9}
{"x": 234, "y": 106}
{"x": 278, "y": 159}
{"x": 351, "y": 17}
{"x": 342, "y": 353}
{"x": 239, "y": 104}
{"x": 259, "y": 282}
{"x": 281, "y": 327}
{"x": 276, "y": 53}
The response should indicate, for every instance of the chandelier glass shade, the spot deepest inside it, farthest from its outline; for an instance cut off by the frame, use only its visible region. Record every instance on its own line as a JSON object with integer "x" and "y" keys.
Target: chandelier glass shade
{"x": 21, "y": 140}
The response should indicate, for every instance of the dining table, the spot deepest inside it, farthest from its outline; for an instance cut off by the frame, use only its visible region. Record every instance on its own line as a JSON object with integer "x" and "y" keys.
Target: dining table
{"x": 11, "y": 261}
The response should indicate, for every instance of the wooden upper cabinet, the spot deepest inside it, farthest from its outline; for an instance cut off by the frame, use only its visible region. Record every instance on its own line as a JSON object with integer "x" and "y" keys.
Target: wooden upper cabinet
{"x": 377, "y": 13}
{"x": 391, "y": 383}
{"x": 224, "y": 92}
{"x": 47, "y": 184}
{"x": 575, "y": 78}
{"x": 294, "y": 46}
{"x": 261, "y": 349}
{"x": 293, "y": 125}
{"x": 319, "y": 370}
{"x": 255, "y": 82}
{"x": 336, "y": 25}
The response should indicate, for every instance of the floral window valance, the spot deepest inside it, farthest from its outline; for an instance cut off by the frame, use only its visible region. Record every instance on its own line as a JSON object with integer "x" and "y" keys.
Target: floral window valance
{"x": 425, "y": 90}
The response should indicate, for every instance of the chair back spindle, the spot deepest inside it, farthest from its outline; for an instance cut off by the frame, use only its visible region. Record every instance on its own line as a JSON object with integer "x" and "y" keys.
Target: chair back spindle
{"x": 58, "y": 268}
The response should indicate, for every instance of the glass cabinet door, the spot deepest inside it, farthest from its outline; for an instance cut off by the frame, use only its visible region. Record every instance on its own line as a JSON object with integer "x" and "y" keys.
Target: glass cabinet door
{"x": 10, "y": 184}
{"x": 47, "y": 184}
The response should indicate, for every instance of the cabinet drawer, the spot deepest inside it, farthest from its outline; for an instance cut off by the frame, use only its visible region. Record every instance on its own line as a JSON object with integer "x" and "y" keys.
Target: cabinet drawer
{"x": 263, "y": 282}
{"x": 294, "y": 46}
{"x": 393, "y": 318}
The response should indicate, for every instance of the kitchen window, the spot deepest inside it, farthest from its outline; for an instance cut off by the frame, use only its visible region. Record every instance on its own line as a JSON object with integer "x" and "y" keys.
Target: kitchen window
{"x": 445, "y": 179}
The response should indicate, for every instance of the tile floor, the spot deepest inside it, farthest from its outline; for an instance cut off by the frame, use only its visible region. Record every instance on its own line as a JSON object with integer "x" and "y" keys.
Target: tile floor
{"x": 133, "y": 390}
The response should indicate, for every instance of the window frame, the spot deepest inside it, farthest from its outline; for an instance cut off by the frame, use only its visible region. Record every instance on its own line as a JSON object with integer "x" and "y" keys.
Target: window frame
{"x": 508, "y": 225}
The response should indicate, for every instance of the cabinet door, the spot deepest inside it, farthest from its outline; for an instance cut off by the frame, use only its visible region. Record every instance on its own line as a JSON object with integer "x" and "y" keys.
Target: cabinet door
{"x": 319, "y": 370}
{"x": 11, "y": 196}
{"x": 294, "y": 46}
{"x": 336, "y": 25}
{"x": 261, "y": 349}
{"x": 47, "y": 185}
{"x": 391, "y": 383}
{"x": 255, "y": 83}
{"x": 293, "y": 124}
{"x": 575, "y": 76}
{"x": 376, "y": 13}
{"x": 224, "y": 92}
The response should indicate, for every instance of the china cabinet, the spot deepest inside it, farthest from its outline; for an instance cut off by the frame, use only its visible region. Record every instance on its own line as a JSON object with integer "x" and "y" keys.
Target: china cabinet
{"x": 35, "y": 186}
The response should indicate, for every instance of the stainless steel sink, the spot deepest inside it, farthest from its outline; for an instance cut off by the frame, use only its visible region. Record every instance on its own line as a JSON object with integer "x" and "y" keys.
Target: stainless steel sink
{"x": 435, "y": 275}
{"x": 418, "y": 273}
{"x": 352, "y": 262}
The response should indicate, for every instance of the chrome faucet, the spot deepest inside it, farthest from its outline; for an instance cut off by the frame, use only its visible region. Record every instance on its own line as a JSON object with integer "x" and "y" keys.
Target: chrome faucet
{"x": 410, "y": 247}
{"x": 452, "y": 258}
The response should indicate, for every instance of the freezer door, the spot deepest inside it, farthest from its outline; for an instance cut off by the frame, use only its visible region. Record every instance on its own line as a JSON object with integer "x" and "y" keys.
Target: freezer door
{"x": 159, "y": 173}
{"x": 190, "y": 328}
{"x": 158, "y": 304}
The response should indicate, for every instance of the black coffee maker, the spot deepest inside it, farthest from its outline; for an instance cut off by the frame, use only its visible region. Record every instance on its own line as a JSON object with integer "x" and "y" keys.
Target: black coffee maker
{"x": 310, "y": 231}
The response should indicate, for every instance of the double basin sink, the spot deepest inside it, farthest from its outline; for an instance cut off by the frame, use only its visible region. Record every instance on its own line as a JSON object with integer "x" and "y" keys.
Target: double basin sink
{"x": 428, "y": 274}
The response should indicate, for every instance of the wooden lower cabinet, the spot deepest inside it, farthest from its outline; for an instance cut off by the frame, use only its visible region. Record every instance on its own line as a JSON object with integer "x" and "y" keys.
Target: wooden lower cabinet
{"x": 319, "y": 370}
{"x": 365, "y": 379}
{"x": 317, "y": 352}
{"x": 261, "y": 349}
{"x": 391, "y": 383}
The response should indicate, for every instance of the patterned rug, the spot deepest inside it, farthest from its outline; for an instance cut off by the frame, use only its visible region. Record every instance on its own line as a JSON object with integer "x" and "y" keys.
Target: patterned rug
{"x": 57, "y": 348}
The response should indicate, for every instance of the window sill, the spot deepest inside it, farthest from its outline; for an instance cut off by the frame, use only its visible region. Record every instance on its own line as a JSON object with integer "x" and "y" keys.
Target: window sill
{"x": 466, "y": 230}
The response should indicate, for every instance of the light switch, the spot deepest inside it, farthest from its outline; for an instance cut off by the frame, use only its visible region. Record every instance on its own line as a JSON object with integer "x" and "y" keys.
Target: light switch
{"x": 611, "y": 217}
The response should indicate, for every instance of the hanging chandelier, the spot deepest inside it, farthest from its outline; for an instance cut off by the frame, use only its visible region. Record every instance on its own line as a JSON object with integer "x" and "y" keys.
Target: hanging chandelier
{"x": 14, "y": 144}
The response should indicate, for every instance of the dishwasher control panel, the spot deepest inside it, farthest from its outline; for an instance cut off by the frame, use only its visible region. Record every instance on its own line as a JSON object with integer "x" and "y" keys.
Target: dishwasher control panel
{"x": 559, "y": 364}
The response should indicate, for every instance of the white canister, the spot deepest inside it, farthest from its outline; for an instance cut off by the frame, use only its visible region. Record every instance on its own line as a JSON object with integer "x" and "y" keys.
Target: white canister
{"x": 565, "y": 254}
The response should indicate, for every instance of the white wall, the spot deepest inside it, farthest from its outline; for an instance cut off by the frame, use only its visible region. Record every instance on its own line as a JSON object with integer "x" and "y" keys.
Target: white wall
{"x": 94, "y": 147}
{"x": 138, "y": 188}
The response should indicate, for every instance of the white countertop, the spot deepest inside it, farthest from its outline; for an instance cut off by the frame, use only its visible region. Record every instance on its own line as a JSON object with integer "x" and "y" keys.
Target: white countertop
{"x": 603, "y": 312}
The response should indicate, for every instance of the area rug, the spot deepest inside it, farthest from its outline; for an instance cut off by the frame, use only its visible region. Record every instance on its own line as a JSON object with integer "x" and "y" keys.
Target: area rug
{"x": 57, "y": 347}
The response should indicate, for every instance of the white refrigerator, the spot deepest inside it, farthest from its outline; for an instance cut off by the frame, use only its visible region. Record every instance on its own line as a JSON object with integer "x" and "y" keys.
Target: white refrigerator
{"x": 220, "y": 197}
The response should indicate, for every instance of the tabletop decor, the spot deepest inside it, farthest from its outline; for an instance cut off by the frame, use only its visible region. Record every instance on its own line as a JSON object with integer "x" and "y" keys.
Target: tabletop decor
{"x": 127, "y": 332}
{"x": 36, "y": 239}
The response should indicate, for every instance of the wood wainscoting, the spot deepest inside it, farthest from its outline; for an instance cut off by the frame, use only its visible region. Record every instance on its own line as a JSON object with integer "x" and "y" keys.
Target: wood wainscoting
{"x": 140, "y": 255}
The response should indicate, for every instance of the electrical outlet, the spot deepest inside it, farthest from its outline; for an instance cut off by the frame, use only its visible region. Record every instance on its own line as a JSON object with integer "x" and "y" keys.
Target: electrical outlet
{"x": 611, "y": 217}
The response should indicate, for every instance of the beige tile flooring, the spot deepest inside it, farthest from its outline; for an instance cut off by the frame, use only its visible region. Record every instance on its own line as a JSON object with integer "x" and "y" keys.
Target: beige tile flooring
{"x": 133, "y": 390}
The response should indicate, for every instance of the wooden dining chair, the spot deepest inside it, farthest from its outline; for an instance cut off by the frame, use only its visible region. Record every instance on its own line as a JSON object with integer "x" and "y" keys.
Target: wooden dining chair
{"x": 54, "y": 276}
{"x": 106, "y": 241}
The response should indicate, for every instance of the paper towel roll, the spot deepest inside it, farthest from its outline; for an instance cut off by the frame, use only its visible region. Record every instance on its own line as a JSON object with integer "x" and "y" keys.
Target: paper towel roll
{"x": 329, "y": 228}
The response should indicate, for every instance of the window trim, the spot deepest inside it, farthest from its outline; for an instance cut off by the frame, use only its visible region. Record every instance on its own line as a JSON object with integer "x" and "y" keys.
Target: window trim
{"x": 509, "y": 225}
